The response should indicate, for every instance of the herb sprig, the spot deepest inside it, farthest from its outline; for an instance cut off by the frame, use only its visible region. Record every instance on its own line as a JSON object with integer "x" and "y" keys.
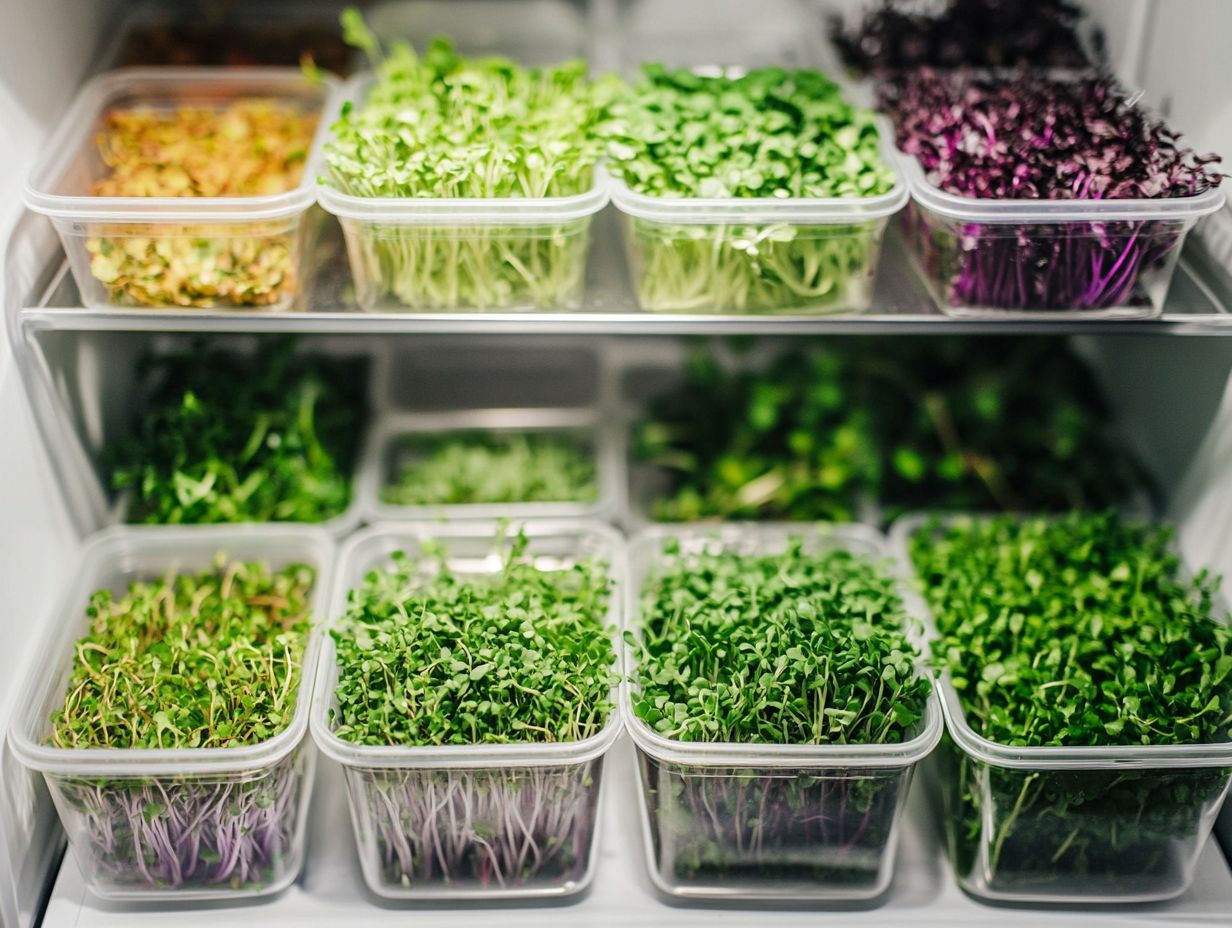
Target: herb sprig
{"x": 491, "y": 467}
{"x": 788, "y": 648}
{"x": 427, "y": 656}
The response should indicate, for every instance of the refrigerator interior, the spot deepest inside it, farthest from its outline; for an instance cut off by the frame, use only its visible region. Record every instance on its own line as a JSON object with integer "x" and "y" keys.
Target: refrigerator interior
{"x": 68, "y": 388}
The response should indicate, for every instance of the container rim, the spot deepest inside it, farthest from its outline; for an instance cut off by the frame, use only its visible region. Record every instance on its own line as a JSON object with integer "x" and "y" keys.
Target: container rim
{"x": 717, "y": 210}
{"x": 395, "y": 425}
{"x": 1076, "y": 757}
{"x": 93, "y": 99}
{"x": 453, "y": 756}
{"x": 453, "y": 211}
{"x": 299, "y": 541}
{"x": 854, "y": 536}
{"x": 974, "y": 209}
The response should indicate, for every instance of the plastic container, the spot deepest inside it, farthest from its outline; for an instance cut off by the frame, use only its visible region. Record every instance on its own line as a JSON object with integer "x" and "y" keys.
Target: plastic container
{"x": 169, "y": 252}
{"x": 386, "y": 455}
{"x": 134, "y": 817}
{"x": 767, "y": 822}
{"x": 763, "y": 255}
{"x": 415, "y": 807}
{"x": 499, "y": 253}
{"x": 1107, "y": 824}
{"x": 1032, "y": 259}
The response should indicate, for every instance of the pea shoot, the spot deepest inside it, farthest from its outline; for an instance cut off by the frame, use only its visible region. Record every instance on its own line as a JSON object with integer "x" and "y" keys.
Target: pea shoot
{"x": 195, "y": 660}
{"x": 789, "y": 648}
{"x": 1077, "y": 631}
{"x": 431, "y": 656}
{"x": 491, "y": 467}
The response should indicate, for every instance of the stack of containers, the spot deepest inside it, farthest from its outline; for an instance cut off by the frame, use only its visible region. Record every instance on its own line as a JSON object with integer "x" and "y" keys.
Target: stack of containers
{"x": 180, "y": 252}
{"x": 178, "y": 823}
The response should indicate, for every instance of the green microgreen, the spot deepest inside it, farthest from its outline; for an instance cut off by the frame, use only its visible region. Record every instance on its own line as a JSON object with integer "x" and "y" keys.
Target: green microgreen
{"x": 227, "y": 437}
{"x": 491, "y": 467}
{"x": 786, "y": 648}
{"x": 430, "y": 656}
{"x": 202, "y": 660}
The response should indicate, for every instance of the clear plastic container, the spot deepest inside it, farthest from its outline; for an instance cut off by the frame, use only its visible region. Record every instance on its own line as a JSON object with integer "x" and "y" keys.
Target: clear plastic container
{"x": 179, "y": 252}
{"x": 748, "y": 256}
{"x": 471, "y": 821}
{"x": 387, "y": 455}
{"x": 499, "y": 253}
{"x": 767, "y": 822}
{"x": 176, "y": 824}
{"x": 1033, "y": 259}
{"x": 1106, "y": 824}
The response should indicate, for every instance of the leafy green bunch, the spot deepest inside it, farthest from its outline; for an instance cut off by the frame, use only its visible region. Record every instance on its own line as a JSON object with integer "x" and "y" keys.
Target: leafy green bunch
{"x": 1076, "y": 631}
{"x": 440, "y": 125}
{"x": 770, "y": 132}
{"x": 427, "y": 656}
{"x": 491, "y": 467}
{"x": 195, "y": 660}
{"x": 784, "y": 648}
{"x": 227, "y": 437}
{"x": 955, "y": 424}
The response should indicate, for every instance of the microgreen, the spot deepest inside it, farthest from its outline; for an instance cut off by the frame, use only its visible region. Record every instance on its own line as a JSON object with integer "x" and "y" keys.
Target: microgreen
{"x": 1077, "y": 631}
{"x": 225, "y": 437}
{"x": 1032, "y": 137}
{"x": 491, "y": 467}
{"x": 443, "y": 126}
{"x": 952, "y": 424}
{"x": 430, "y": 656}
{"x": 770, "y": 133}
{"x": 195, "y": 660}
{"x": 785, "y": 648}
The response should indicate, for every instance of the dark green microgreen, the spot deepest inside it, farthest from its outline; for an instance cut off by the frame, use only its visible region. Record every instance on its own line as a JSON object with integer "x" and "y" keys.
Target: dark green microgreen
{"x": 430, "y": 656}
{"x": 190, "y": 661}
{"x": 491, "y": 467}
{"x": 1067, "y": 631}
{"x": 228, "y": 437}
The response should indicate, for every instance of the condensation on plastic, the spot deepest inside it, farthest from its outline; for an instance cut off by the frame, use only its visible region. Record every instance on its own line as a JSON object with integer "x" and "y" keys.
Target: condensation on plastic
{"x": 810, "y": 789}
{"x": 397, "y": 792}
{"x": 1187, "y": 784}
{"x": 103, "y": 794}
{"x": 272, "y": 228}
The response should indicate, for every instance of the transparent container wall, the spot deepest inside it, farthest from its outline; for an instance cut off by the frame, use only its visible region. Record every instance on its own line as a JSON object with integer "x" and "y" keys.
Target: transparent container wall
{"x": 460, "y": 831}
{"x": 1074, "y": 836}
{"x": 767, "y": 268}
{"x": 772, "y": 832}
{"x": 480, "y": 267}
{"x": 229, "y": 265}
{"x": 188, "y": 837}
{"x": 1099, "y": 269}
{"x": 532, "y": 32}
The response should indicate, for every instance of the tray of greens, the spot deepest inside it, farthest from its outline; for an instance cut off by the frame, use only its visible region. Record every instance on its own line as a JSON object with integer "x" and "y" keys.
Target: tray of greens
{"x": 777, "y": 701}
{"x": 464, "y": 183}
{"x": 168, "y": 712}
{"x": 871, "y": 428}
{"x": 1087, "y": 690}
{"x": 761, "y": 193}
{"x": 469, "y": 694}
{"x": 491, "y": 463}
{"x": 272, "y": 435}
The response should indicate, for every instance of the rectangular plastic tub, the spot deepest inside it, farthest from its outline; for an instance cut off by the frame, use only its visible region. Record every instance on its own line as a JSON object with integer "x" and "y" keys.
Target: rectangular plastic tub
{"x": 178, "y": 252}
{"x": 1033, "y": 259}
{"x": 136, "y": 819}
{"x": 470, "y": 821}
{"x": 1066, "y": 825}
{"x": 448, "y": 254}
{"x": 750, "y": 256}
{"x": 767, "y": 822}
{"x": 385, "y": 455}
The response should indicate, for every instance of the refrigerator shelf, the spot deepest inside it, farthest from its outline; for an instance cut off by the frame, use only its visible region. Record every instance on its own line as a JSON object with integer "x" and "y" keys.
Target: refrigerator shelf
{"x": 331, "y": 891}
